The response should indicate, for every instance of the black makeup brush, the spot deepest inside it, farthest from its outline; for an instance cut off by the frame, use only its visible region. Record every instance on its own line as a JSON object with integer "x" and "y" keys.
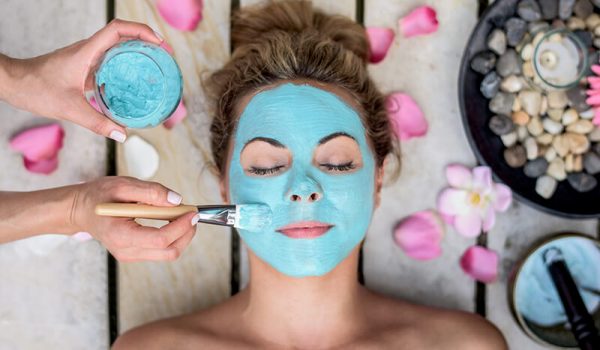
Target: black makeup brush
{"x": 582, "y": 323}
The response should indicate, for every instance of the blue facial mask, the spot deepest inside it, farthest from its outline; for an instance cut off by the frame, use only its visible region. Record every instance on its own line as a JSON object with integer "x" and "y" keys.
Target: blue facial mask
{"x": 298, "y": 116}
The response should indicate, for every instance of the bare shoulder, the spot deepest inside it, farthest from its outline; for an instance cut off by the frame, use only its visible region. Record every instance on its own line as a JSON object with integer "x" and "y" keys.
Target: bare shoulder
{"x": 433, "y": 328}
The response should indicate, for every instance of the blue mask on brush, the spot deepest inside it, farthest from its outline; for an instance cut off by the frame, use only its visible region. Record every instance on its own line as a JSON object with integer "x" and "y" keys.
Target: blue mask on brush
{"x": 299, "y": 116}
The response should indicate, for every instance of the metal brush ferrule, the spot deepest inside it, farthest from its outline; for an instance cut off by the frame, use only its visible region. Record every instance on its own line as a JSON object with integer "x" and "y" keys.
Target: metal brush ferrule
{"x": 217, "y": 214}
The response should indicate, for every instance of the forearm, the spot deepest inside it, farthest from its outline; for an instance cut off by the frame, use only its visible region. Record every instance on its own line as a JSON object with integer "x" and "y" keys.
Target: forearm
{"x": 26, "y": 214}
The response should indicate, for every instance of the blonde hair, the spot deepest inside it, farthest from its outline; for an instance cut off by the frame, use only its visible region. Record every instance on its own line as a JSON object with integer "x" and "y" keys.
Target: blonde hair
{"x": 289, "y": 40}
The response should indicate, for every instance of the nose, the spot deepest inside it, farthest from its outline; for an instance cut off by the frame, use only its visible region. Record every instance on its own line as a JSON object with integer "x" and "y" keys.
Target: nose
{"x": 305, "y": 190}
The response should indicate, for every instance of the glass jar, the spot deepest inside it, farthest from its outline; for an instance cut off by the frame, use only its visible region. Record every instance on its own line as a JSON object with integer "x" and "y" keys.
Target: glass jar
{"x": 138, "y": 84}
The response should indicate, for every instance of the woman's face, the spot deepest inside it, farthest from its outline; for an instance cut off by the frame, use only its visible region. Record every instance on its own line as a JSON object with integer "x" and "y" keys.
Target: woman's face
{"x": 303, "y": 151}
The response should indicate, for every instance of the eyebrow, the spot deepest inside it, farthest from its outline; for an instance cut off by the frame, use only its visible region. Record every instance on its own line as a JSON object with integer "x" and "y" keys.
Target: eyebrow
{"x": 333, "y": 136}
{"x": 268, "y": 140}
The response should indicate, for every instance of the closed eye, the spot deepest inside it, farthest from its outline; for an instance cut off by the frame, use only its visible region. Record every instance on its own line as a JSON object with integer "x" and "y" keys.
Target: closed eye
{"x": 265, "y": 171}
{"x": 339, "y": 167}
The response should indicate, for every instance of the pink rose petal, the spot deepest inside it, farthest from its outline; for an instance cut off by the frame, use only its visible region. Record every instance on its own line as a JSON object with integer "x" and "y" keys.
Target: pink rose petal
{"x": 43, "y": 166}
{"x": 595, "y": 85}
{"x": 419, "y": 235}
{"x": 469, "y": 224}
{"x": 592, "y": 79}
{"x": 489, "y": 219}
{"x": 503, "y": 197}
{"x": 39, "y": 143}
{"x": 420, "y": 21}
{"x": 480, "y": 263}
{"x": 459, "y": 176}
{"x": 593, "y": 100}
{"x": 482, "y": 179}
{"x": 181, "y": 14}
{"x": 178, "y": 115}
{"x": 452, "y": 201}
{"x": 407, "y": 118}
{"x": 596, "y": 69}
{"x": 380, "y": 40}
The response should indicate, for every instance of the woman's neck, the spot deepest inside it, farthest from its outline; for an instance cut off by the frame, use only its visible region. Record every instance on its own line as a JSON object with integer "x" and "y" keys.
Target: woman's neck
{"x": 311, "y": 312}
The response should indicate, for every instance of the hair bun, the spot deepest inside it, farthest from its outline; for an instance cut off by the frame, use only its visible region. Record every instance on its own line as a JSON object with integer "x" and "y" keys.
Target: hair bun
{"x": 252, "y": 24}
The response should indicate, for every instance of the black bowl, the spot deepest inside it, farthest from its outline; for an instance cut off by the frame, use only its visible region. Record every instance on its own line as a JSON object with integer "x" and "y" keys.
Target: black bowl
{"x": 488, "y": 147}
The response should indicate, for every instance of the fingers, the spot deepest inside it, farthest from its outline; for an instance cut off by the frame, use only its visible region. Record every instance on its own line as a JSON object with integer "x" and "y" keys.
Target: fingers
{"x": 117, "y": 28}
{"x": 85, "y": 115}
{"x": 127, "y": 189}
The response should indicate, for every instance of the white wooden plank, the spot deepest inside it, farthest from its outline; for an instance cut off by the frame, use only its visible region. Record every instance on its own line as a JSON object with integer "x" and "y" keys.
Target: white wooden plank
{"x": 200, "y": 277}
{"x": 53, "y": 289}
{"x": 425, "y": 67}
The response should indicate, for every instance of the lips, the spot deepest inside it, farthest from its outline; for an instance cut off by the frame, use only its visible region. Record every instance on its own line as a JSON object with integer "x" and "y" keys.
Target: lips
{"x": 305, "y": 229}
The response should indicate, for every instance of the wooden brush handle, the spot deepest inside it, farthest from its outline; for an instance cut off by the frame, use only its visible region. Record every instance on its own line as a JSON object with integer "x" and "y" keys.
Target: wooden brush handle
{"x": 144, "y": 211}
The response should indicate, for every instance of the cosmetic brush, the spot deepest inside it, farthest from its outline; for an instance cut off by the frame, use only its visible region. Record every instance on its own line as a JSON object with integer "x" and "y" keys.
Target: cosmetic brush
{"x": 251, "y": 217}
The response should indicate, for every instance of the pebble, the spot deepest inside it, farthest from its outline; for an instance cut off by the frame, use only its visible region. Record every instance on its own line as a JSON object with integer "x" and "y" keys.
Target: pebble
{"x": 545, "y": 186}
{"x": 509, "y": 139}
{"x": 581, "y": 126}
{"x": 596, "y": 44}
{"x": 515, "y": 156}
{"x": 545, "y": 139}
{"x": 596, "y": 148}
{"x": 555, "y": 114}
{"x": 501, "y": 125}
{"x": 556, "y": 169}
{"x": 578, "y": 144}
{"x": 583, "y": 8}
{"x": 585, "y": 37}
{"x": 549, "y": 9}
{"x": 596, "y": 3}
{"x": 592, "y": 21}
{"x": 527, "y": 52}
{"x": 535, "y": 126}
{"x": 529, "y": 10}
{"x": 565, "y": 8}
{"x": 536, "y": 168}
{"x": 490, "y": 84}
{"x": 597, "y": 31}
{"x": 544, "y": 105}
{"x": 560, "y": 145}
{"x": 520, "y": 118}
{"x": 502, "y": 103}
{"x": 522, "y": 133}
{"x": 594, "y": 136}
{"x": 534, "y": 27}
{"x": 557, "y": 99}
{"x": 550, "y": 154}
{"x": 591, "y": 163}
{"x": 577, "y": 97}
{"x": 496, "y": 41}
{"x": 531, "y": 101}
{"x": 582, "y": 182}
{"x": 589, "y": 114}
{"x": 570, "y": 116}
{"x": 483, "y": 62}
{"x": 509, "y": 63}
{"x": 531, "y": 148}
{"x": 575, "y": 23}
{"x": 516, "y": 105}
{"x": 537, "y": 38}
{"x": 569, "y": 163}
{"x": 527, "y": 69}
{"x": 542, "y": 149}
{"x": 578, "y": 163}
{"x": 558, "y": 24}
{"x": 512, "y": 83}
{"x": 515, "y": 30}
{"x": 552, "y": 127}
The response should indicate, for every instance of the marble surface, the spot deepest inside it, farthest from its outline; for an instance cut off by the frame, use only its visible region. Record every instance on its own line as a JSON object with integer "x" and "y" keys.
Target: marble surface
{"x": 201, "y": 276}
{"x": 53, "y": 292}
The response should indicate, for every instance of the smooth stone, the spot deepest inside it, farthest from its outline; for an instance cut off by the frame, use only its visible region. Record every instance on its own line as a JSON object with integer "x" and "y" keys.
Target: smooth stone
{"x": 570, "y": 116}
{"x": 483, "y": 62}
{"x": 594, "y": 136}
{"x": 535, "y": 126}
{"x": 577, "y": 97}
{"x": 581, "y": 126}
{"x": 534, "y": 27}
{"x": 557, "y": 99}
{"x": 582, "y": 182}
{"x": 516, "y": 105}
{"x": 578, "y": 144}
{"x": 565, "y": 8}
{"x": 502, "y": 103}
{"x": 569, "y": 163}
{"x": 527, "y": 69}
{"x": 544, "y": 105}
{"x": 542, "y": 149}
{"x": 556, "y": 169}
{"x": 585, "y": 37}
{"x": 545, "y": 186}
{"x": 560, "y": 145}
{"x": 591, "y": 163}
{"x": 536, "y": 168}
{"x": 509, "y": 139}
{"x": 545, "y": 139}
{"x": 594, "y": 55}
{"x": 549, "y": 9}
{"x": 596, "y": 148}
{"x": 552, "y": 127}
{"x": 555, "y": 114}
{"x": 531, "y": 101}
{"x": 496, "y": 41}
{"x": 597, "y": 31}
{"x": 550, "y": 154}
{"x": 537, "y": 38}
{"x": 529, "y": 10}
{"x": 515, "y": 156}
{"x": 596, "y": 44}
{"x": 531, "y": 148}
{"x": 509, "y": 63}
{"x": 596, "y": 3}
{"x": 575, "y": 23}
{"x": 592, "y": 21}
{"x": 558, "y": 24}
{"x": 578, "y": 163}
{"x": 589, "y": 114}
{"x": 583, "y": 8}
{"x": 527, "y": 52}
{"x": 501, "y": 125}
{"x": 515, "y": 30}
{"x": 522, "y": 133}
{"x": 512, "y": 83}
{"x": 490, "y": 84}
{"x": 520, "y": 118}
